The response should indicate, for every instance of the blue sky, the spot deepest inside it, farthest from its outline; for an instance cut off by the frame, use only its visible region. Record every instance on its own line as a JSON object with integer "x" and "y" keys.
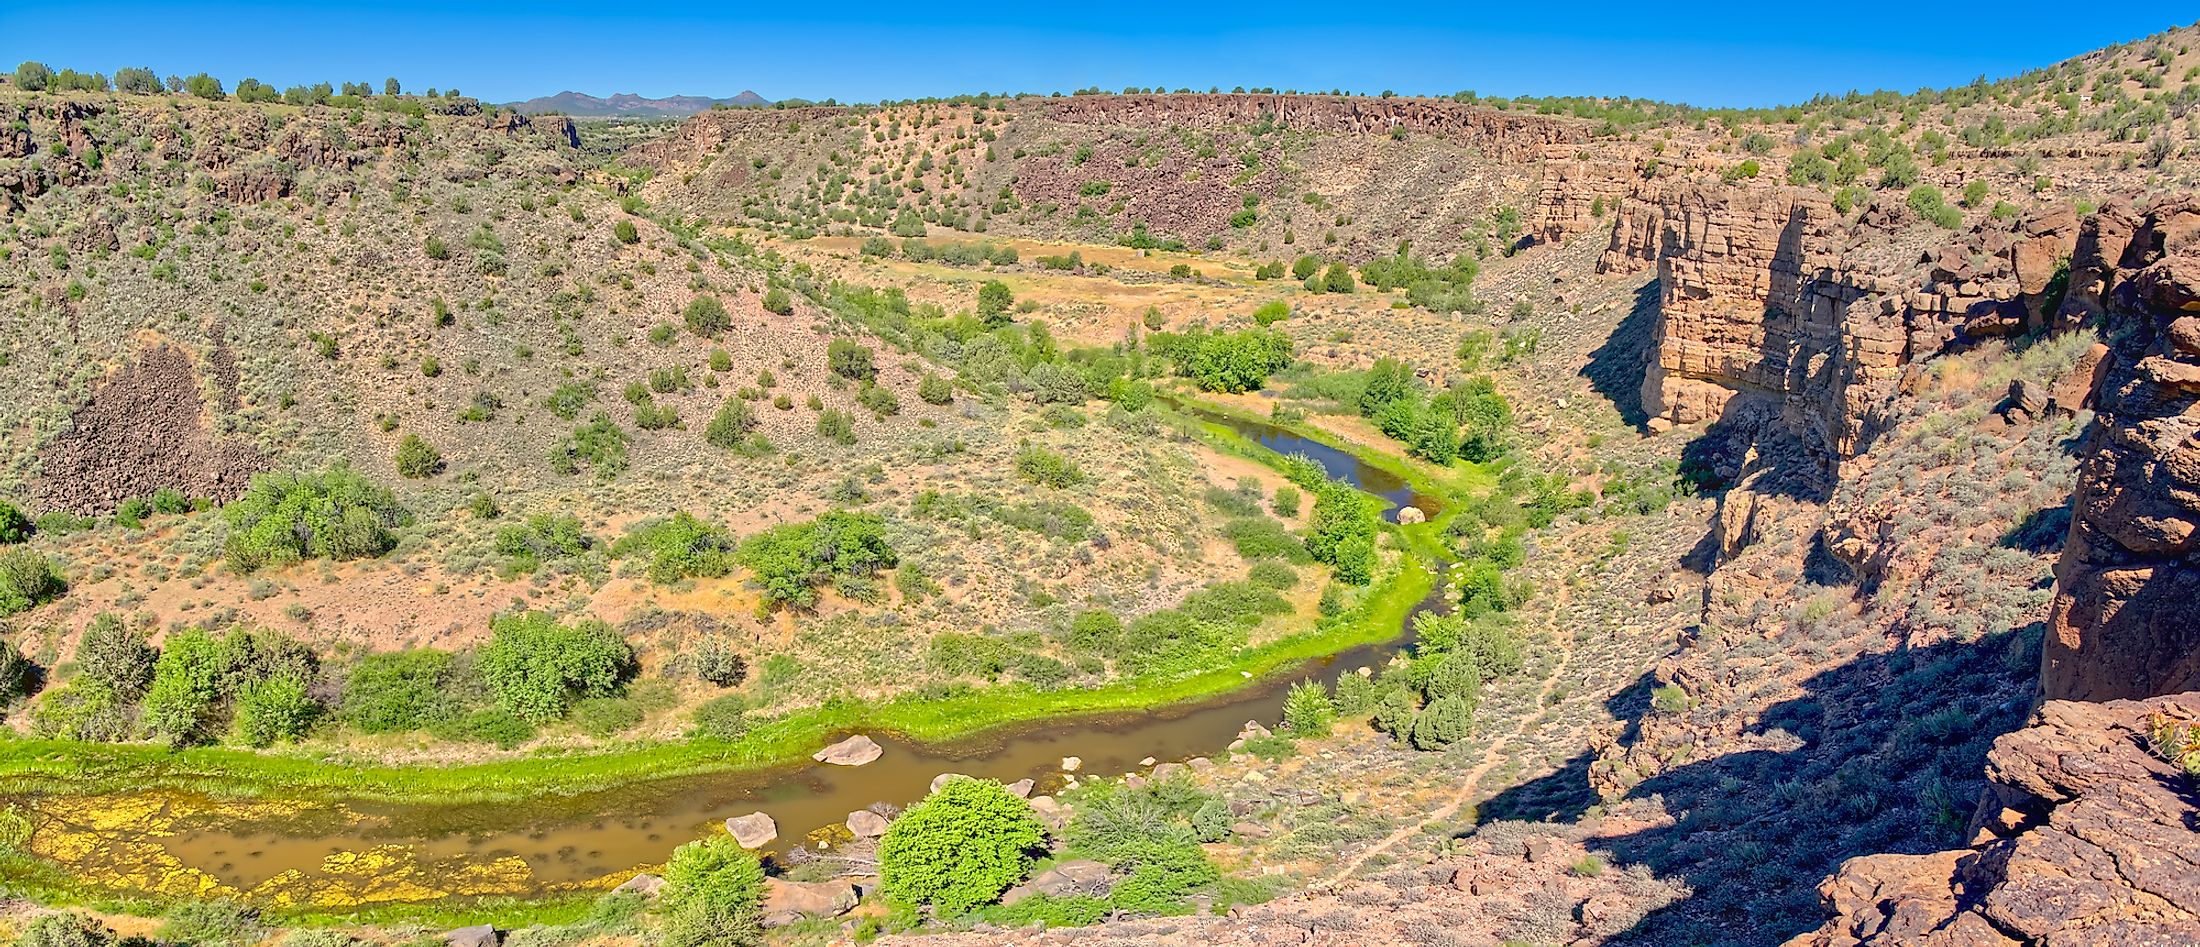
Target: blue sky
{"x": 1708, "y": 53}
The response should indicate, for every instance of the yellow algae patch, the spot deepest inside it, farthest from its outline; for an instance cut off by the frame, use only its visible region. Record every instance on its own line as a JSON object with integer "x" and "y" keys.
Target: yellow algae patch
{"x": 393, "y": 873}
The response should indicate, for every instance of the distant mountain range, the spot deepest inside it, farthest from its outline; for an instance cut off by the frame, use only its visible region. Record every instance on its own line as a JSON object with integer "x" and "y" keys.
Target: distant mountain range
{"x": 629, "y": 105}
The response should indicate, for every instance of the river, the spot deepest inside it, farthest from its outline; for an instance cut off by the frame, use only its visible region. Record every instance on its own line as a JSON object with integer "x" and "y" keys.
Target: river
{"x": 365, "y": 852}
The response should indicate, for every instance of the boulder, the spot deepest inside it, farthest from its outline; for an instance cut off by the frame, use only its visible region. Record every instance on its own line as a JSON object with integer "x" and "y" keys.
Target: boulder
{"x": 945, "y": 778}
{"x": 1410, "y": 515}
{"x": 854, "y": 751}
{"x": 1053, "y": 813}
{"x": 1167, "y": 770}
{"x": 479, "y": 935}
{"x": 754, "y": 830}
{"x": 863, "y": 823}
{"x": 1070, "y": 764}
{"x": 1021, "y": 788}
{"x": 786, "y": 902}
{"x": 645, "y": 885}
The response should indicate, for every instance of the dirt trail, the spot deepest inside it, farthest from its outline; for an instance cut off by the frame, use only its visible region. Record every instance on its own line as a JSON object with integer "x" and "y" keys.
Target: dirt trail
{"x": 1470, "y": 784}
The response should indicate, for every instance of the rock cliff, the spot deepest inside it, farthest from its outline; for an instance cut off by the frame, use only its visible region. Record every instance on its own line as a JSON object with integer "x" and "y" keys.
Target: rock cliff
{"x": 2086, "y": 838}
{"x": 2124, "y": 623}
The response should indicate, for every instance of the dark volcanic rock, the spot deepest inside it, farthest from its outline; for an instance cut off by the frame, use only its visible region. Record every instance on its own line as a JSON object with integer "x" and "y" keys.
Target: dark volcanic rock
{"x": 2124, "y": 623}
{"x": 143, "y": 429}
{"x": 2088, "y": 840}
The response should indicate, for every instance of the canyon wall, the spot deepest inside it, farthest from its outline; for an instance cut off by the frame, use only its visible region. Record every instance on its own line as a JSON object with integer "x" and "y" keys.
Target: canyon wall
{"x": 1768, "y": 296}
{"x": 2125, "y": 621}
{"x": 1507, "y": 136}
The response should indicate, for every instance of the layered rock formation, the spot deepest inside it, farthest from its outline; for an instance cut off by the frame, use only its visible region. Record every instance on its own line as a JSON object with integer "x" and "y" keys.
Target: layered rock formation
{"x": 2087, "y": 838}
{"x": 2125, "y": 622}
{"x": 1769, "y": 297}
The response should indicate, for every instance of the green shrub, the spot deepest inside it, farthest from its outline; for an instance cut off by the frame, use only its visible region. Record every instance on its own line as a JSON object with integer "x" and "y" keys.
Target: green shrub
{"x": 625, "y": 233}
{"x": 777, "y": 301}
{"x": 288, "y": 517}
{"x": 275, "y": 710}
{"x": 837, "y": 426}
{"x": 66, "y": 929}
{"x": 83, "y": 709}
{"x": 678, "y": 547}
{"x": 731, "y": 425}
{"x": 933, "y": 389}
{"x": 960, "y": 847}
{"x": 706, "y": 316}
{"x": 1235, "y": 362}
{"x": 14, "y": 526}
{"x": 722, "y": 718}
{"x": 116, "y": 655}
{"x": 211, "y": 924}
{"x": 397, "y": 691}
{"x": 792, "y": 560}
{"x": 28, "y": 580}
{"x": 18, "y": 674}
{"x": 995, "y": 302}
{"x": 1341, "y": 532}
{"x": 544, "y": 537}
{"x": 713, "y": 895}
{"x": 1307, "y": 710}
{"x": 600, "y": 444}
{"x": 1274, "y": 575}
{"x": 1445, "y": 721}
{"x": 538, "y": 667}
{"x": 606, "y": 717}
{"x": 186, "y": 684}
{"x": 850, "y": 359}
{"x": 1258, "y": 537}
{"x": 1047, "y": 468}
{"x": 1272, "y": 312}
{"x": 417, "y": 459}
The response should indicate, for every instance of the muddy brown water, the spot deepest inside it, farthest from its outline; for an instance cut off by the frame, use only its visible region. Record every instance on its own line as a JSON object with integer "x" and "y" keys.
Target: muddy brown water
{"x": 345, "y": 853}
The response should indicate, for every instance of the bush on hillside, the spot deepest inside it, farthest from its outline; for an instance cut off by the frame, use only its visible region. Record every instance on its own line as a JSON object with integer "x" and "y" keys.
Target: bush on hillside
{"x": 791, "y": 561}
{"x": 28, "y": 580}
{"x": 678, "y": 547}
{"x": 289, "y": 517}
{"x": 538, "y": 667}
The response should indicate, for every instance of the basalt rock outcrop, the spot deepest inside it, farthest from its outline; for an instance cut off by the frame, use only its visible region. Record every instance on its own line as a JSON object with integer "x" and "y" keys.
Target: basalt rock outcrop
{"x": 2085, "y": 838}
{"x": 2125, "y": 623}
{"x": 1508, "y": 136}
{"x": 1769, "y": 296}
{"x": 145, "y": 428}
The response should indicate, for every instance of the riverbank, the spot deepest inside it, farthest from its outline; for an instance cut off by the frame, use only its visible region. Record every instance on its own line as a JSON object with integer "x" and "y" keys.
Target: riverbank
{"x": 55, "y": 769}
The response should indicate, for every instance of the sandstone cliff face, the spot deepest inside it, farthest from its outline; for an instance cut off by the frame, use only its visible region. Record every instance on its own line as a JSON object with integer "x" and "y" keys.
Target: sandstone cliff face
{"x": 2125, "y": 622}
{"x": 2087, "y": 839}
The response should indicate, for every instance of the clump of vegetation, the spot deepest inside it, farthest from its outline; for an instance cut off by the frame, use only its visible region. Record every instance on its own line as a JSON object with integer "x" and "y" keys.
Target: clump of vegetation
{"x": 960, "y": 847}
{"x": 538, "y": 667}
{"x": 417, "y": 459}
{"x": 1048, "y": 468}
{"x": 678, "y": 547}
{"x": 543, "y": 537}
{"x": 14, "y": 526}
{"x": 713, "y": 895}
{"x": 336, "y": 514}
{"x": 793, "y": 561}
{"x": 28, "y": 580}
